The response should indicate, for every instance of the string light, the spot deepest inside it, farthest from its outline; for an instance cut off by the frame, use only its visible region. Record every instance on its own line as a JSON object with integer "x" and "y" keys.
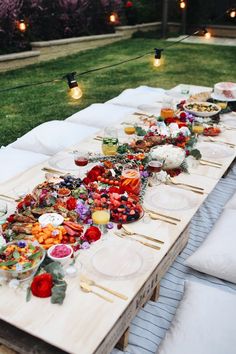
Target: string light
{"x": 21, "y": 25}
{"x": 113, "y": 18}
{"x": 206, "y": 33}
{"x": 232, "y": 13}
{"x": 157, "y": 57}
{"x": 74, "y": 91}
{"x": 182, "y": 4}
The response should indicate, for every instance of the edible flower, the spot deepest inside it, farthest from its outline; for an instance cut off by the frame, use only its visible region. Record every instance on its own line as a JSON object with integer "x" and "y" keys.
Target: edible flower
{"x": 41, "y": 285}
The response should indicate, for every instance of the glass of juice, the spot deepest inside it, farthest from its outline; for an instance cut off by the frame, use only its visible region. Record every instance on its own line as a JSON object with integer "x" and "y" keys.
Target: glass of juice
{"x": 81, "y": 159}
{"x": 110, "y": 141}
{"x": 197, "y": 128}
{"x": 101, "y": 217}
{"x": 130, "y": 179}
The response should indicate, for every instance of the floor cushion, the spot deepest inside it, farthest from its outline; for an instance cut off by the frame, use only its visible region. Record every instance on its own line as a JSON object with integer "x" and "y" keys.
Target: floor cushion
{"x": 139, "y": 96}
{"x": 51, "y": 137}
{"x": 217, "y": 254}
{"x": 14, "y": 162}
{"x": 204, "y": 322}
{"x": 101, "y": 115}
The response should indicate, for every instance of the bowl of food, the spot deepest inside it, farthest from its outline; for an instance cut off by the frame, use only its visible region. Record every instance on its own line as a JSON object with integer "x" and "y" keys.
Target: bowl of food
{"x": 61, "y": 253}
{"x": 172, "y": 156}
{"x": 202, "y": 109}
{"x": 20, "y": 260}
{"x": 211, "y": 131}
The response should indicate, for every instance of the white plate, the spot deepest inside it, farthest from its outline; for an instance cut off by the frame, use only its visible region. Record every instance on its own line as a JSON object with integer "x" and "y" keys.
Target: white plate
{"x": 222, "y": 99}
{"x": 51, "y": 218}
{"x": 117, "y": 262}
{"x": 170, "y": 198}
{"x": 64, "y": 161}
{"x": 203, "y": 113}
{"x": 214, "y": 151}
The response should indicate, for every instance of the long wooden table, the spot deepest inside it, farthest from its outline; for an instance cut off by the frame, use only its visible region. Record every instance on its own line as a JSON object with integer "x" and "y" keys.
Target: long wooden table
{"x": 85, "y": 324}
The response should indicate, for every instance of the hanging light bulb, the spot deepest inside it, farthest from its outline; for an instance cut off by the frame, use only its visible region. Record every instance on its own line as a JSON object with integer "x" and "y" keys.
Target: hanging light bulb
{"x": 157, "y": 57}
{"x": 182, "y": 4}
{"x": 21, "y": 26}
{"x": 232, "y": 13}
{"x": 113, "y": 18}
{"x": 207, "y": 34}
{"x": 74, "y": 90}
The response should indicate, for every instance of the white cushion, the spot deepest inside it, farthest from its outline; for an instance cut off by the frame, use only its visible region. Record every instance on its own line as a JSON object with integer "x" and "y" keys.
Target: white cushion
{"x": 231, "y": 204}
{"x": 51, "y": 137}
{"x": 14, "y": 162}
{"x": 217, "y": 255}
{"x": 204, "y": 323}
{"x": 138, "y": 96}
{"x": 101, "y": 115}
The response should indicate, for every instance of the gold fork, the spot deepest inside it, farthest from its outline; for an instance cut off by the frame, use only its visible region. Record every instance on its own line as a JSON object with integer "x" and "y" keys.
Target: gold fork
{"x": 162, "y": 215}
{"x": 130, "y": 232}
{"x": 139, "y": 241}
{"x": 87, "y": 288}
{"x": 91, "y": 282}
{"x": 187, "y": 185}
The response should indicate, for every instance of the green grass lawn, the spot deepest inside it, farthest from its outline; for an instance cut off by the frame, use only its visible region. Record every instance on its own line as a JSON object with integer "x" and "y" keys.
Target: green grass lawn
{"x": 23, "y": 109}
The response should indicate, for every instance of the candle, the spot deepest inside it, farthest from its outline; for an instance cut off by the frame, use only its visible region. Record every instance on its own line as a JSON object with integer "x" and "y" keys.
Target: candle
{"x": 101, "y": 217}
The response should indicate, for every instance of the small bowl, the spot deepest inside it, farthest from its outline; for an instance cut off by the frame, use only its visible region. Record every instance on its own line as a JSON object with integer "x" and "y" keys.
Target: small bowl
{"x": 25, "y": 274}
{"x": 63, "y": 260}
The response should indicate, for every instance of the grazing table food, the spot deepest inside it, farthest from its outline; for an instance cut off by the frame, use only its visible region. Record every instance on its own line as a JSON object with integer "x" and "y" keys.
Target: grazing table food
{"x": 67, "y": 216}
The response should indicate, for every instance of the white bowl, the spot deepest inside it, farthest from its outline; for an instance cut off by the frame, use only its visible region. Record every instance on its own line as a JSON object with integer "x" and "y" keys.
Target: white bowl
{"x": 51, "y": 218}
{"x": 63, "y": 260}
{"x": 202, "y": 113}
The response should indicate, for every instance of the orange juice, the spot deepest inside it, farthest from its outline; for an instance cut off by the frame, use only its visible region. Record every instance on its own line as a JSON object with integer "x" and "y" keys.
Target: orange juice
{"x": 167, "y": 113}
{"x": 130, "y": 181}
{"x": 197, "y": 129}
{"x": 129, "y": 130}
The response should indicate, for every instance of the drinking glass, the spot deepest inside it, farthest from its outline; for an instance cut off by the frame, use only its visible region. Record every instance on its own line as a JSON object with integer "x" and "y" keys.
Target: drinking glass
{"x": 81, "y": 159}
{"x": 155, "y": 166}
{"x": 197, "y": 128}
{"x": 101, "y": 217}
{"x": 3, "y": 211}
{"x": 110, "y": 141}
{"x": 130, "y": 179}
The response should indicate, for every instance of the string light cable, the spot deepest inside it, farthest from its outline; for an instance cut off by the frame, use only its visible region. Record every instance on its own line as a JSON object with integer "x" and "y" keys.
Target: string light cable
{"x": 72, "y": 83}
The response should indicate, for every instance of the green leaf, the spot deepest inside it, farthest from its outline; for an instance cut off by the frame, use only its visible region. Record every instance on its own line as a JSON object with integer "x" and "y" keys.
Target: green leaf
{"x": 8, "y": 263}
{"x": 27, "y": 265}
{"x": 35, "y": 255}
{"x": 16, "y": 254}
{"x": 196, "y": 153}
{"x": 58, "y": 292}
{"x": 140, "y": 131}
{"x": 55, "y": 268}
{"x": 2, "y": 249}
{"x": 28, "y": 294}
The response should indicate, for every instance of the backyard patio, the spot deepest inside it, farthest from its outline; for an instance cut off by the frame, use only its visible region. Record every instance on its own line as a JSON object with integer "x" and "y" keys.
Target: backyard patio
{"x": 117, "y": 186}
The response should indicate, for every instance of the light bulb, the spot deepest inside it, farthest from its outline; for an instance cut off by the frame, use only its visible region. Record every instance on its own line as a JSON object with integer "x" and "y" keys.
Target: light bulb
{"x": 232, "y": 13}
{"x": 207, "y": 35}
{"x": 22, "y": 26}
{"x": 157, "y": 62}
{"x": 75, "y": 92}
{"x": 112, "y": 18}
{"x": 182, "y": 5}
{"x": 157, "y": 57}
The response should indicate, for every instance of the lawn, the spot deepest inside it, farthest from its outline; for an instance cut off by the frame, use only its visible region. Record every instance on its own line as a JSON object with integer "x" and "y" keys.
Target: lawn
{"x": 23, "y": 109}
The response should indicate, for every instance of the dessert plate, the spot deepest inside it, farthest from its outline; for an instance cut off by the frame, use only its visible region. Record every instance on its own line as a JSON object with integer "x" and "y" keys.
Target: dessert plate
{"x": 170, "y": 198}
{"x": 214, "y": 151}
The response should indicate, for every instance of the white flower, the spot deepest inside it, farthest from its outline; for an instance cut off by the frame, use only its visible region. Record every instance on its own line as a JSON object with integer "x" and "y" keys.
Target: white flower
{"x": 173, "y": 127}
{"x": 162, "y": 176}
{"x": 2, "y": 241}
{"x": 185, "y": 131}
{"x": 171, "y": 155}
